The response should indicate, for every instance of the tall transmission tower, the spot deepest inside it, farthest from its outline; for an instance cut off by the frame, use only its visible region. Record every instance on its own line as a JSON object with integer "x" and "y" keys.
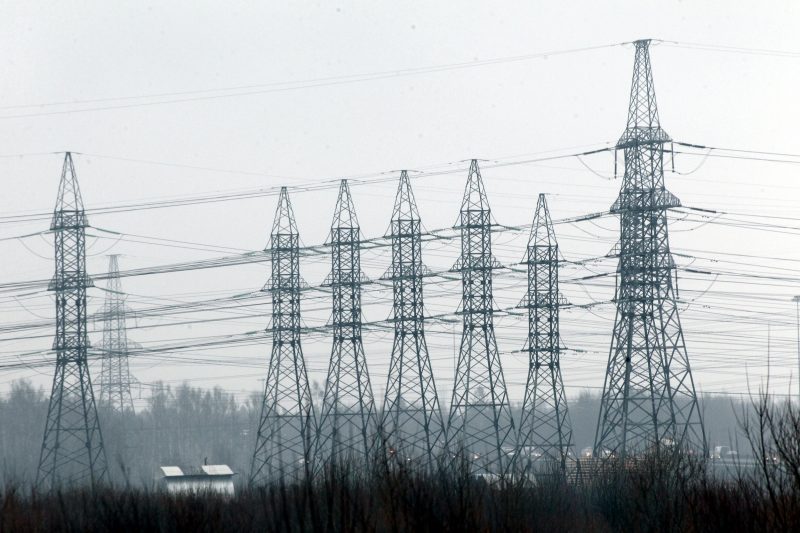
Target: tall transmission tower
{"x": 72, "y": 448}
{"x": 411, "y": 421}
{"x": 347, "y": 427}
{"x": 649, "y": 398}
{"x": 545, "y": 431}
{"x": 480, "y": 424}
{"x": 285, "y": 431}
{"x": 115, "y": 376}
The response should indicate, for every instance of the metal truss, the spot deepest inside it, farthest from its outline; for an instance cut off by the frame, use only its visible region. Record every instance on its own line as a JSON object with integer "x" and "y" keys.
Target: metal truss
{"x": 480, "y": 428}
{"x": 649, "y": 400}
{"x": 347, "y": 430}
{"x": 411, "y": 422}
{"x": 115, "y": 377}
{"x": 284, "y": 439}
{"x": 72, "y": 448}
{"x": 545, "y": 431}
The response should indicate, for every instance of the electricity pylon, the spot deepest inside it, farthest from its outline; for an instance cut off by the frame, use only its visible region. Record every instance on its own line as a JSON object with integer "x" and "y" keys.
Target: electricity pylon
{"x": 284, "y": 439}
{"x": 411, "y": 422}
{"x": 115, "y": 377}
{"x": 545, "y": 431}
{"x": 72, "y": 448}
{"x": 347, "y": 427}
{"x": 480, "y": 428}
{"x": 649, "y": 399}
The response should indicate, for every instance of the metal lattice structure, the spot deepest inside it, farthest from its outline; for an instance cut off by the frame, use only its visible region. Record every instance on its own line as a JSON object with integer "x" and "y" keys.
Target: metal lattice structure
{"x": 115, "y": 377}
{"x": 72, "y": 448}
{"x": 284, "y": 440}
{"x": 545, "y": 431}
{"x": 411, "y": 422}
{"x": 480, "y": 428}
{"x": 347, "y": 428}
{"x": 649, "y": 399}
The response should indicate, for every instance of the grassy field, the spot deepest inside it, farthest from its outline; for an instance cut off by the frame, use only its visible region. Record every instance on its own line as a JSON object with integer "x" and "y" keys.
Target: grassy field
{"x": 653, "y": 496}
{"x": 675, "y": 492}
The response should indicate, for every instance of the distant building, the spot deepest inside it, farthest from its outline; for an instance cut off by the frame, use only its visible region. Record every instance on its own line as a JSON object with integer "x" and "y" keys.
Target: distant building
{"x": 207, "y": 478}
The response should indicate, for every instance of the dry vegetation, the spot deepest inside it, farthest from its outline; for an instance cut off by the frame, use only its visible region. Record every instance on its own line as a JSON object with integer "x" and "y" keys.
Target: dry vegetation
{"x": 656, "y": 497}
{"x": 658, "y": 494}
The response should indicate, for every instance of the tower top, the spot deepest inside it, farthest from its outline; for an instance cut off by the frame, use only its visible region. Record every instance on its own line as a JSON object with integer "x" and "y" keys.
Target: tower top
{"x": 542, "y": 233}
{"x": 284, "y": 223}
{"x": 643, "y": 123}
{"x": 69, "y": 204}
{"x": 474, "y": 192}
{"x": 344, "y": 216}
{"x": 114, "y": 285}
{"x": 405, "y": 207}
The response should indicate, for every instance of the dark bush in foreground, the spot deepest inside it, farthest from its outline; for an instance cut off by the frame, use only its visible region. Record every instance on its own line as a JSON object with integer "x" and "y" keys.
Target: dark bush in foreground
{"x": 672, "y": 492}
{"x": 652, "y": 497}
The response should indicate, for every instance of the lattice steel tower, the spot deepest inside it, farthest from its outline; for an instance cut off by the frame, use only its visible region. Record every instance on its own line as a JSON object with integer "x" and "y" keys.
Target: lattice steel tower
{"x": 284, "y": 439}
{"x": 347, "y": 428}
{"x": 72, "y": 449}
{"x": 544, "y": 427}
{"x": 649, "y": 397}
{"x": 115, "y": 377}
{"x": 480, "y": 425}
{"x": 411, "y": 422}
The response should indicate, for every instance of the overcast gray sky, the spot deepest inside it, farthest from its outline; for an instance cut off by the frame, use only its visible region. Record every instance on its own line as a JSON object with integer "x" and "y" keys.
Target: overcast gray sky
{"x": 232, "y": 96}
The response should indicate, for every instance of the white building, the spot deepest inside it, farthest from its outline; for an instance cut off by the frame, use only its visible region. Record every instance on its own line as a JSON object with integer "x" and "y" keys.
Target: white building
{"x": 216, "y": 479}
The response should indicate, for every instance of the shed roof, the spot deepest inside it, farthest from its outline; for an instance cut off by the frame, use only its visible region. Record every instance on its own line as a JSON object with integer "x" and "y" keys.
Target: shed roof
{"x": 171, "y": 471}
{"x": 217, "y": 470}
{"x": 193, "y": 471}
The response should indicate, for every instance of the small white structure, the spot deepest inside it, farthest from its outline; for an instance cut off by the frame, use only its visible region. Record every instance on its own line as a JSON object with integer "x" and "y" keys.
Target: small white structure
{"x": 217, "y": 479}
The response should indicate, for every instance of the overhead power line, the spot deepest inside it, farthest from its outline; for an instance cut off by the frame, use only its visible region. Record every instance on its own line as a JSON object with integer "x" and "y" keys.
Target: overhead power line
{"x": 730, "y": 49}
{"x": 453, "y": 167}
{"x": 127, "y": 102}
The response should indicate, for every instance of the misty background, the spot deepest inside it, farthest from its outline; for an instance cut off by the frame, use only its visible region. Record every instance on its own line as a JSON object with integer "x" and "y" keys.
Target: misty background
{"x": 170, "y": 102}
